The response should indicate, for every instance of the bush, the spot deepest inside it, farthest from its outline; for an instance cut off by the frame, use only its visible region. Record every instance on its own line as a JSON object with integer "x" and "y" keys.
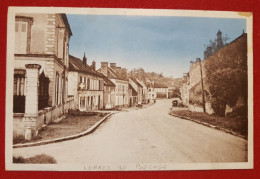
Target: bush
{"x": 19, "y": 139}
{"x": 235, "y": 124}
{"x": 18, "y": 159}
{"x": 238, "y": 112}
{"x": 38, "y": 159}
{"x": 82, "y": 113}
{"x": 218, "y": 107}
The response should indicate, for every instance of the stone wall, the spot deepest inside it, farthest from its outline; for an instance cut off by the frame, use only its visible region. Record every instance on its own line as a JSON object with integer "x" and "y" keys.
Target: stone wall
{"x": 195, "y": 89}
{"x": 44, "y": 117}
{"x": 18, "y": 125}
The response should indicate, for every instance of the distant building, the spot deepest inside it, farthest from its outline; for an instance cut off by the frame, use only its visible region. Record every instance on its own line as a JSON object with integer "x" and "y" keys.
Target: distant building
{"x": 85, "y": 84}
{"x": 132, "y": 93}
{"x": 109, "y": 93}
{"x": 172, "y": 92}
{"x": 213, "y": 48}
{"x": 191, "y": 90}
{"x": 138, "y": 88}
{"x": 144, "y": 92}
{"x": 184, "y": 90}
{"x": 121, "y": 89}
{"x": 157, "y": 90}
{"x": 41, "y": 64}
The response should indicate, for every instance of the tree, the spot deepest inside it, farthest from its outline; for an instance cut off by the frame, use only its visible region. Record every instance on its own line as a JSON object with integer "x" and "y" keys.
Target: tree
{"x": 226, "y": 75}
{"x": 123, "y": 73}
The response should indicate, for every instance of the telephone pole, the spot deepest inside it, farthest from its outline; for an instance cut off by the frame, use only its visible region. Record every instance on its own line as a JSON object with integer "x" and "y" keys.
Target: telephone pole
{"x": 202, "y": 87}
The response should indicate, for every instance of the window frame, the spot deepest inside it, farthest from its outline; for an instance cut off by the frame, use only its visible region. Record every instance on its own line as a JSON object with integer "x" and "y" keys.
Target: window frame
{"x": 29, "y": 21}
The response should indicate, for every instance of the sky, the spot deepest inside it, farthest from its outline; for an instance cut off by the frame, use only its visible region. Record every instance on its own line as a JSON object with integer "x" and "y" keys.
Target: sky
{"x": 161, "y": 44}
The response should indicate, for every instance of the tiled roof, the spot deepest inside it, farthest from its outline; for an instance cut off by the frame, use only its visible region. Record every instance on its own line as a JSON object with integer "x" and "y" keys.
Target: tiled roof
{"x": 158, "y": 85}
{"x": 107, "y": 82}
{"x": 134, "y": 93}
{"x": 76, "y": 64}
{"x": 112, "y": 74}
{"x": 135, "y": 81}
{"x": 142, "y": 83}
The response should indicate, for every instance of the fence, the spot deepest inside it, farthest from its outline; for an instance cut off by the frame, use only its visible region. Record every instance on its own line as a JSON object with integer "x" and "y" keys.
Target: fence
{"x": 197, "y": 108}
{"x": 45, "y": 116}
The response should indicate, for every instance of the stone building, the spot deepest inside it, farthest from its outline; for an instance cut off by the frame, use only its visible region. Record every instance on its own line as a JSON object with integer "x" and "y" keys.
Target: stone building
{"x": 157, "y": 90}
{"x": 121, "y": 89}
{"x": 215, "y": 46}
{"x": 132, "y": 93}
{"x": 184, "y": 89}
{"x": 109, "y": 93}
{"x": 85, "y": 84}
{"x": 197, "y": 75}
{"x": 41, "y": 63}
{"x": 144, "y": 92}
{"x": 138, "y": 88}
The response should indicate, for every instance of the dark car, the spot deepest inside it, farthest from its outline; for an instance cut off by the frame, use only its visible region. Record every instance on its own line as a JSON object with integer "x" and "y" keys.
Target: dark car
{"x": 175, "y": 103}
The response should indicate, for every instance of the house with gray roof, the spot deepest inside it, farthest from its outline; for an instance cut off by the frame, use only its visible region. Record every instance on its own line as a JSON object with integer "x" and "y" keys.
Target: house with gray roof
{"x": 85, "y": 84}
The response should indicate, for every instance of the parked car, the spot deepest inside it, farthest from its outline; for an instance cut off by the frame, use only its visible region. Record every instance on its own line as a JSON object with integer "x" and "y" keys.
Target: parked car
{"x": 175, "y": 103}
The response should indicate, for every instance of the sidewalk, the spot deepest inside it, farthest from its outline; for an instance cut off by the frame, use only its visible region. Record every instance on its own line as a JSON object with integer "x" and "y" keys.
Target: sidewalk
{"x": 62, "y": 131}
{"x": 125, "y": 109}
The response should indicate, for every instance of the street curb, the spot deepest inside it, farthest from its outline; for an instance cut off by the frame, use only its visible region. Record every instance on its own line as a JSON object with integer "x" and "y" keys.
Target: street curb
{"x": 209, "y": 125}
{"x": 88, "y": 131}
{"x": 127, "y": 110}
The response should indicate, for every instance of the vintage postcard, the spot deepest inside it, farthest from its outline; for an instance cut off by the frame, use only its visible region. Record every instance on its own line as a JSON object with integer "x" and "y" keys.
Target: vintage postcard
{"x": 92, "y": 89}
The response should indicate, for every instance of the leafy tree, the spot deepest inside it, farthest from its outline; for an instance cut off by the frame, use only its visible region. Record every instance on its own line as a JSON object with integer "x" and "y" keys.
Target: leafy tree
{"x": 226, "y": 75}
{"x": 123, "y": 73}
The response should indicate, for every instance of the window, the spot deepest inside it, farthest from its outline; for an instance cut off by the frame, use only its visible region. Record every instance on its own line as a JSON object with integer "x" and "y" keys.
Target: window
{"x": 43, "y": 96}
{"x": 57, "y": 89}
{"x": 80, "y": 79}
{"x": 82, "y": 102}
{"x": 91, "y": 84}
{"x": 19, "y": 91}
{"x": 23, "y": 34}
{"x": 18, "y": 85}
{"x": 21, "y": 37}
{"x": 88, "y": 84}
{"x": 62, "y": 90}
{"x": 88, "y": 102}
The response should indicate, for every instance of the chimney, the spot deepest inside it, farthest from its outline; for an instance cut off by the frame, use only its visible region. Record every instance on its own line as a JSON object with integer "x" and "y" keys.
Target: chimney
{"x": 84, "y": 59}
{"x": 113, "y": 66}
{"x": 104, "y": 66}
{"x": 93, "y": 65}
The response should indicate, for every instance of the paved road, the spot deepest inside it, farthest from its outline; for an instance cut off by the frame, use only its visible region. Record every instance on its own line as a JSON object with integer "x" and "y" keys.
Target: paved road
{"x": 147, "y": 135}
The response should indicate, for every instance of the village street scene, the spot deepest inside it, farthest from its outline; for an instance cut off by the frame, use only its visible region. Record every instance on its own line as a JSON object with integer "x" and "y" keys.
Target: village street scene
{"x": 91, "y": 90}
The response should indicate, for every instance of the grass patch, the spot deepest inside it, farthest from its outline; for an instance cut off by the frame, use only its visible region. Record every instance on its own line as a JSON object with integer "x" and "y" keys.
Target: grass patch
{"x": 19, "y": 139}
{"x": 238, "y": 124}
{"x": 38, "y": 159}
{"x": 74, "y": 123}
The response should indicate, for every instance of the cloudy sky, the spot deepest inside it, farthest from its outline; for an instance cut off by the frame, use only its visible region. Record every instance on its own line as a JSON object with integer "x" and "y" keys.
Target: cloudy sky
{"x": 160, "y": 44}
